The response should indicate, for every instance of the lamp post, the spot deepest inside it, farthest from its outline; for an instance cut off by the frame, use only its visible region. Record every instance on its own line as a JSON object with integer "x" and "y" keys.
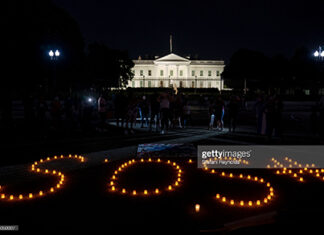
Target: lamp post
{"x": 54, "y": 55}
{"x": 319, "y": 53}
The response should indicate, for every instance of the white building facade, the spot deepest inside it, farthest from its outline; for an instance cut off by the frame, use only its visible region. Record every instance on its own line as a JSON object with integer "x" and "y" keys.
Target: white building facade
{"x": 176, "y": 71}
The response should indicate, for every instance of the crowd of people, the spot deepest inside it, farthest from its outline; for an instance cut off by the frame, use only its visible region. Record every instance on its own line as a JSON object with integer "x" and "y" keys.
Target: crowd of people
{"x": 159, "y": 112}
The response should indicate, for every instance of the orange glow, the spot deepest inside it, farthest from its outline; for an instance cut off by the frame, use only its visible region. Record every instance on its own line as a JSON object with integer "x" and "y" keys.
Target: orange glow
{"x": 134, "y": 192}
{"x": 170, "y": 187}
{"x": 145, "y": 192}
{"x": 217, "y": 196}
{"x": 157, "y": 191}
{"x": 123, "y": 190}
{"x": 258, "y": 202}
{"x": 20, "y": 196}
{"x": 232, "y": 202}
{"x": 197, "y": 208}
{"x": 223, "y": 199}
{"x": 30, "y": 195}
{"x": 241, "y": 203}
{"x": 113, "y": 188}
{"x": 250, "y": 203}
{"x": 40, "y": 193}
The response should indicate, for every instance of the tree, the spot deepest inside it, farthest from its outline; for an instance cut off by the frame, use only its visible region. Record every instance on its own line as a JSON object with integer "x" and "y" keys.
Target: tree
{"x": 30, "y": 29}
{"x": 107, "y": 68}
{"x": 247, "y": 66}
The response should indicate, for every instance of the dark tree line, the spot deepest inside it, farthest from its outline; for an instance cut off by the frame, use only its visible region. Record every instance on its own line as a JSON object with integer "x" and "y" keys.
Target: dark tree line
{"x": 30, "y": 28}
{"x": 278, "y": 73}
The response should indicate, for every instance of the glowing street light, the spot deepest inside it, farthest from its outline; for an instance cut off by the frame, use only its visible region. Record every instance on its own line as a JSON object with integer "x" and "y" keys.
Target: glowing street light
{"x": 319, "y": 53}
{"x": 54, "y": 55}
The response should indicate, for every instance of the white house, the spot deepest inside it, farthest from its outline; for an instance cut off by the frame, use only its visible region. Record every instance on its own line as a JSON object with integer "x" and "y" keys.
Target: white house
{"x": 173, "y": 70}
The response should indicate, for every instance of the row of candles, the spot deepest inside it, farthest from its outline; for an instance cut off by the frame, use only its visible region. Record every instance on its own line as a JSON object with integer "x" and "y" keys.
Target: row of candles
{"x": 35, "y": 168}
{"x": 114, "y": 179}
{"x": 296, "y": 169}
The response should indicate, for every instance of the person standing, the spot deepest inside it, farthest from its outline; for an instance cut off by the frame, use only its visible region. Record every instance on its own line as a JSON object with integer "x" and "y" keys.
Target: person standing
{"x": 164, "y": 109}
{"x": 102, "y": 110}
{"x": 233, "y": 109}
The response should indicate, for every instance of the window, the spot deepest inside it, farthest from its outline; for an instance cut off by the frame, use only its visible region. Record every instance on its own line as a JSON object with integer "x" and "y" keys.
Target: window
{"x": 141, "y": 72}
{"x": 193, "y": 73}
{"x": 180, "y": 84}
{"x": 209, "y": 73}
{"x": 201, "y": 73}
{"x": 141, "y": 83}
{"x": 149, "y": 84}
{"x": 150, "y": 72}
{"x": 134, "y": 72}
{"x": 192, "y": 84}
{"x": 201, "y": 84}
{"x": 171, "y": 72}
{"x": 209, "y": 84}
{"x": 133, "y": 83}
{"x": 161, "y": 83}
{"x": 181, "y": 73}
{"x": 161, "y": 73}
{"x": 217, "y": 72}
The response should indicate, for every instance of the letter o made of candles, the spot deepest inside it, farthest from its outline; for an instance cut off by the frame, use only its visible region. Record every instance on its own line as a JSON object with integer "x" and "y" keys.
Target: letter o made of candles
{"x": 116, "y": 188}
{"x": 35, "y": 168}
{"x": 244, "y": 203}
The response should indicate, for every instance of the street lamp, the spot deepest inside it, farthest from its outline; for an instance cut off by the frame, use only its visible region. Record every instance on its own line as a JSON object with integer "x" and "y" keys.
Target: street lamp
{"x": 54, "y": 55}
{"x": 319, "y": 53}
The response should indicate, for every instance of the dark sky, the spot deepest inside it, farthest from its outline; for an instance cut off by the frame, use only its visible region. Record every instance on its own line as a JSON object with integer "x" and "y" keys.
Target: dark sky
{"x": 211, "y": 29}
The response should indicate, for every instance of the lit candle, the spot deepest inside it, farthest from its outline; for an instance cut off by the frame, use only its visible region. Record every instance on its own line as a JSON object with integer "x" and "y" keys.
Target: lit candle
{"x": 40, "y": 193}
{"x": 217, "y": 196}
{"x": 20, "y": 196}
{"x": 250, "y": 203}
{"x": 223, "y": 199}
{"x": 11, "y": 197}
{"x": 123, "y": 191}
{"x": 232, "y": 202}
{"x": 30, "y": 195}
{"x": 113, "y": 188}
{"x": 134, "y": 192}
{"x": 145, "y": 192}
{"x": 241, "y": 203}
{"x": 258, "y": 202}
{"x": 197, "y": 208}
{"x": 170, "y": 187}
{"x": 52, "y": 190}
{"x": 157, "y": 191}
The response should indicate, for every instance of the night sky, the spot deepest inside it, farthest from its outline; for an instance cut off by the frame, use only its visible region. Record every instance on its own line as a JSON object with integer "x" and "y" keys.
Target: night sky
{"x": 211, "y": 29}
